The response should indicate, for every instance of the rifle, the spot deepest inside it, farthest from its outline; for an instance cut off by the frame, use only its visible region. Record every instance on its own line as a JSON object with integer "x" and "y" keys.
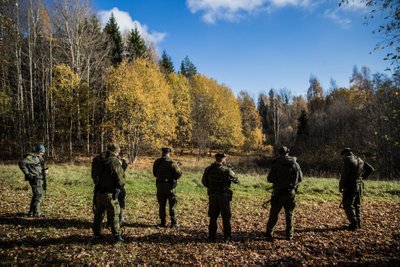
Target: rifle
{"x": 290, "y": 188}
{"x": 45, "y": 181}
{"x": 266, "y": 203}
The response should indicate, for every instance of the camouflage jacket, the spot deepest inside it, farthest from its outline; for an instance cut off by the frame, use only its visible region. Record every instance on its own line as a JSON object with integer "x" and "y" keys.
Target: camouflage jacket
{"x": 32, "y": 165}
{"x": 166, "y": 170}
{"x": 285, "y": 174}
{"x": 112, "y": 175}
{"x": 218, "y": 177}
{"x": 353, "y": 172}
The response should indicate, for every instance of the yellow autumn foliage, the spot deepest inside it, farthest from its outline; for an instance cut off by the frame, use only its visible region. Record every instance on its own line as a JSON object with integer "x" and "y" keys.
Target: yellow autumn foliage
{"x": 139, "y": 109}
{"x": 180, "y": 94}
{"x": 216, "y": 115}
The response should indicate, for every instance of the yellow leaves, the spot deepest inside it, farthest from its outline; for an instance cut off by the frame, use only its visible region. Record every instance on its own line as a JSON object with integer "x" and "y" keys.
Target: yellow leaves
{"x": 180, "y": 94}
{"x": 216, "y": 113}
{"x": 138, "y": 103}
{"x": 64, "y": 83}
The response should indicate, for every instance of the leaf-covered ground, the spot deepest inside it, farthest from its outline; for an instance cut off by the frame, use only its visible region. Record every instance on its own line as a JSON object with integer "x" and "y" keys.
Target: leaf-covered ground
{"x": 64, "y": 235}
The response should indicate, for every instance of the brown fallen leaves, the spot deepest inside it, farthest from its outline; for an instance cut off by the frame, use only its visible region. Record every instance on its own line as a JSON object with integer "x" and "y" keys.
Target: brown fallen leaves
{"x": 65, "y": 236}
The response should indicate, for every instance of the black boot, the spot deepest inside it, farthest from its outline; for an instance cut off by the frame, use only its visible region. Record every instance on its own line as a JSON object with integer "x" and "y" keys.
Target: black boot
{"x": 352, "y": 226}
{"x": 118, "y": 239}
{"x": 162, "y": 224}
{"x": 174, "y": 223}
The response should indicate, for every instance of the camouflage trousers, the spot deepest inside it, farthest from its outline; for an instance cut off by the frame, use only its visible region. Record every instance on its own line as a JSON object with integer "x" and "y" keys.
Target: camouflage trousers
{"x": 37, "y": 193}
{"x": 352, "y": 204}
{"x": 166, "y": 193}
{"x": 288, "y": 202}
{"x": 219, "y": 204}
{"x": 106, "y": 203}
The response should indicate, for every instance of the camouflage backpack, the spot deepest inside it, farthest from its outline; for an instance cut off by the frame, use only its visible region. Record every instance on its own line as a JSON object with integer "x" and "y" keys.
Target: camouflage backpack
{"x": 98, "y": 167}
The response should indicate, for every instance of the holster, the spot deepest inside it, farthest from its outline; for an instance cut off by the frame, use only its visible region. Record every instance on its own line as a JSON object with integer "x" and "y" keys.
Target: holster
{"x": 229, "y": 194}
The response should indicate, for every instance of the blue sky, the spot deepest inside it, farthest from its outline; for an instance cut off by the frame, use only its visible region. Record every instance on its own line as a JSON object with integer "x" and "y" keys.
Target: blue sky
{"x": 256, "y": 45}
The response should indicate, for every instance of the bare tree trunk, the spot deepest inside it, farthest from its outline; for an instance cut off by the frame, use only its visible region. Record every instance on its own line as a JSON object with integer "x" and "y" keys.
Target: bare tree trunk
{"x": 20, "y": 90}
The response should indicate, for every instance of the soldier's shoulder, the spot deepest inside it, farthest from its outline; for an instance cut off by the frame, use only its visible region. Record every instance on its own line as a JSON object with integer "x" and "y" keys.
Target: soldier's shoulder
{"x": 351, "y": 159}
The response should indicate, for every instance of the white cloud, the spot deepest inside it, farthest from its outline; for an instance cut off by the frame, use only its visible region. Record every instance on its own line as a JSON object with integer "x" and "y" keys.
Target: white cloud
{"x": 355, "y": 5}
{"x": 333, "y": 15}
{"x": 232, "y": 10}
{"x": 283, "y": 3}
{"x": 126, "y": 23}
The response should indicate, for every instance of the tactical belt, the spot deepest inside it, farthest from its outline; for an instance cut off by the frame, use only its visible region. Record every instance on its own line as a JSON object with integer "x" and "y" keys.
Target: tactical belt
{"x": 164, "y": 181}
{"x": 106, "y": 190}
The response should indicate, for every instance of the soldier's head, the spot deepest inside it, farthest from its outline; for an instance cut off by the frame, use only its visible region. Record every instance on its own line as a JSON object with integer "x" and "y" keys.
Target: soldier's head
{"x": 346, "y": 151}
{"x": 114, "y": 148}
{"x": 40, "y": 149}
{"x": 283, "y": 151}
{"x": 220, "y": 157}
{"x": 166, "y": 151}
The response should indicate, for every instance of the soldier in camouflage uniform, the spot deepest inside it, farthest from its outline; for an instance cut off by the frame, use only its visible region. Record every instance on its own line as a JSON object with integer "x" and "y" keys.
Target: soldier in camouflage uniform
{"x": 167, "y": 173}
{"x": 285, "y": 175}
{"x": 217, "y": 178}
{"x": 351, "y": 185}
{"x": 34, "y": 169}
{"x": 108, "y": 185}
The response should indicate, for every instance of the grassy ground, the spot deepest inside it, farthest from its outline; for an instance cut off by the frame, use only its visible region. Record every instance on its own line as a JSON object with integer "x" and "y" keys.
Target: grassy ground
{"x": 64, "y": 236}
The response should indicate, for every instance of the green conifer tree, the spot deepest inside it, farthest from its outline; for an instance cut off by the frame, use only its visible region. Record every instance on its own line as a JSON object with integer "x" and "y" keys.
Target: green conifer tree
{"x": 188, "y": 69}
{"x": 136, "y": 46}
{"x": 112, "y": 30}
{"x": 166, "y": 64}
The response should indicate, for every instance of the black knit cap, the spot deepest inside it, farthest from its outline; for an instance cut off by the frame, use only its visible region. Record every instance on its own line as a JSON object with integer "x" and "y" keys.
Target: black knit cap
{"x": 166, "y": 150}
{"x": 345, "y": 151}
{"x": 220, "y": 155}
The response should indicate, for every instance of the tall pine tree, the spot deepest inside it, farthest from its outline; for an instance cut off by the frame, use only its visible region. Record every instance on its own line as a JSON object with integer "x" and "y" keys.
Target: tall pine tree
{"x": 136, "y": 46}
{"x": 112, "y": 30}
{"x": 166, "y": 64}
{"x": 188, "y": 69}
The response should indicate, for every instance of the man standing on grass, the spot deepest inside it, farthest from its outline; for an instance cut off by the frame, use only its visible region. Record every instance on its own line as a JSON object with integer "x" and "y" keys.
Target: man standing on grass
{"x": 34, "y": 169}
{"x": 285, "y": 175}
{"x": 108, "y": 185}
{"x": 351, "y": 185}
{"x": 167, "y": 173}
{"x": 217, "y": 178}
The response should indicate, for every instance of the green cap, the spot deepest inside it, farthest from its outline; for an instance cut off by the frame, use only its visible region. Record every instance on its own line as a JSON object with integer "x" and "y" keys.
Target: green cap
{"x": 113, "y": 147}
{"x": 345, "y": 151}
{"x": 220, "y": 155}
{"x": 283, "y": 150}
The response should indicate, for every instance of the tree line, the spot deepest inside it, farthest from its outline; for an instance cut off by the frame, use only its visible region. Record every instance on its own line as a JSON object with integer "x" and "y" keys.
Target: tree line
{"x": 73, "y": 85}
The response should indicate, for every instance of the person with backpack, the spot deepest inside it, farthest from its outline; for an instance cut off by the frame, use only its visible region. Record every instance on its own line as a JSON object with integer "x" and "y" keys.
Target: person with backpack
{"x": 218, "y": 178}
{"x": 351, "y": 185}
{"x": 34, "y": 168}
{"x": 167, "y": 173}
{"x": 109, "y": 178}
{"x": 285, "y": 175}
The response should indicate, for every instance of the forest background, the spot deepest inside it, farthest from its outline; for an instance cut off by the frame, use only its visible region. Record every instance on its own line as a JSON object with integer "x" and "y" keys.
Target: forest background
{"x": 74, "y": 86}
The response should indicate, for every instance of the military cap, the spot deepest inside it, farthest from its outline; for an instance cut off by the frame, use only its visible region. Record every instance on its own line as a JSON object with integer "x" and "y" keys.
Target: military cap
{"x": 345, "y": 151}
{"x": 113, "y": 147}
{"x": 166, "y": 150}
{"x": 220, "y": 155}
{"x": 283, "y": 150}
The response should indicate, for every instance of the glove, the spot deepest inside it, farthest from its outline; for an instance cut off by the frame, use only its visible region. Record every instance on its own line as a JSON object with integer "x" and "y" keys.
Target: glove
{"x": 28, "y": 177}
